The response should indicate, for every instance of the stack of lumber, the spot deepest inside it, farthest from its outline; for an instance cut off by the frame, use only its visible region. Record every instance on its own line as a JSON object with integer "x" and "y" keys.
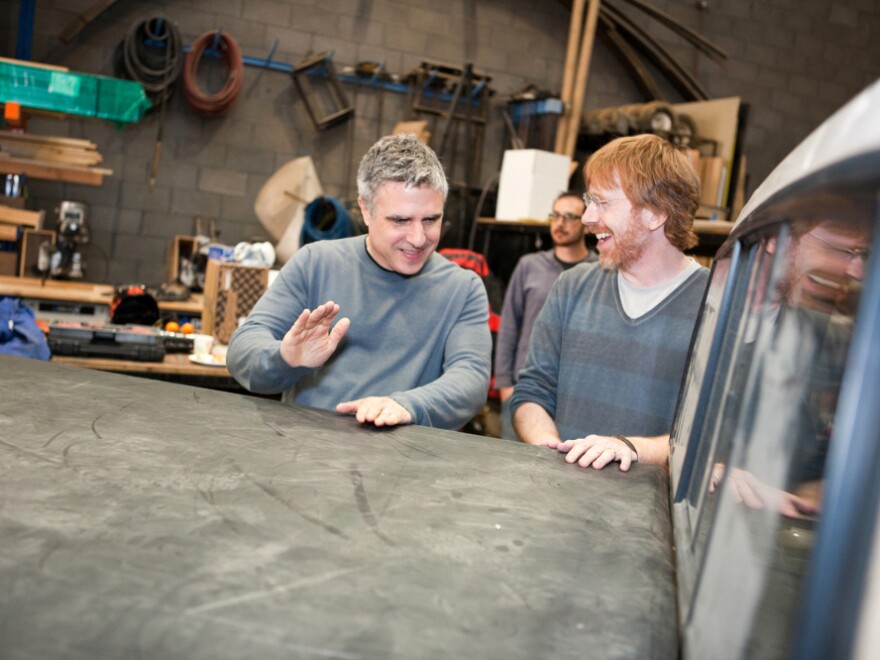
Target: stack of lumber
{"x": 52, "y": 158}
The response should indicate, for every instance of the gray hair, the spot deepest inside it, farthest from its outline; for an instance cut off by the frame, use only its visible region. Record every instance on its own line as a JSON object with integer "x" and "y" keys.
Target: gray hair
{"x": 399, "y": 158}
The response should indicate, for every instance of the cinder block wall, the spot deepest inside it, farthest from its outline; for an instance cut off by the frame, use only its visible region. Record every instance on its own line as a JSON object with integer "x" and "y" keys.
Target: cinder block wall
{"x": 794, "y": 62}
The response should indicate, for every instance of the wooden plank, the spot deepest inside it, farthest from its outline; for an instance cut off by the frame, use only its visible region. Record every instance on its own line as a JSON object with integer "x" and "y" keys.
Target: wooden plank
{"x": 711, "y": 179}
{"x": 716, "y": 120}
{"x": 51, "y": 153}
{"x": 8, "y": 233}
{"x": 48, "y": 139}
{"x": 38, "y": 169}
{"x": 33, "y": 287}
{"x": 569, "y": 70}
{"x": 38, "y": 65}
{"x": 582, "y": 76}
{"x": 15, "y": 216}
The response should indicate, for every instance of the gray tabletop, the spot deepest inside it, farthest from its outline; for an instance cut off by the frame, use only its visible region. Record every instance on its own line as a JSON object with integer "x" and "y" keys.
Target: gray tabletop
{"x": 142, "y": 519}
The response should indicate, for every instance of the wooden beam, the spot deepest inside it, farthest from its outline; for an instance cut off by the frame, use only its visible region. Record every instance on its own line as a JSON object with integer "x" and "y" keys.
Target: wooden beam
{"x": 15, "y": 216}
{"x": 38, "y": 65}
{"x": 40, "y": 169}
{"x": 582, "y": 76}
{"x": 51, "y": 153}
{"x": 52, "y": 140}
{"x": 8, "y": 233}
{"x": 568, "y": 72}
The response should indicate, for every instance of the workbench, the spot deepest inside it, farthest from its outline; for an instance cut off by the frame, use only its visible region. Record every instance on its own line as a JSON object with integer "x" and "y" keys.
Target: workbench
{"x": 174, "y": 364}
{"x": 148, "y": 519}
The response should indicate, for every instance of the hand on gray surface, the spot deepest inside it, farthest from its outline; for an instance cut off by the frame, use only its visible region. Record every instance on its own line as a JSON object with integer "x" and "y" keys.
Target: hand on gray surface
{"x": 595, "y": 450}
{"x": 378, "y": 410}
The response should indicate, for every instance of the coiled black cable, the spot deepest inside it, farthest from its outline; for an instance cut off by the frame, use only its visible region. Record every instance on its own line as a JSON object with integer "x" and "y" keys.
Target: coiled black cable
{"x": 151, "y": 54}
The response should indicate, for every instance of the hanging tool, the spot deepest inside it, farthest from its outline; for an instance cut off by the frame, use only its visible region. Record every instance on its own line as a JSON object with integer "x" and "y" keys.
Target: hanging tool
{"x": 170, "y": 75}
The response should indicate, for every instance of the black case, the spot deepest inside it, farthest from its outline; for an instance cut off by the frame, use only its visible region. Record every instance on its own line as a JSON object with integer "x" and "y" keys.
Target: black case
{"x": 125, "y": 342}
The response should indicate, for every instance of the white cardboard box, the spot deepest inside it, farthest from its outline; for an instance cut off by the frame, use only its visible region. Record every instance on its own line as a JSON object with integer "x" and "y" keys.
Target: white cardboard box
{"x": 530, "y": 180}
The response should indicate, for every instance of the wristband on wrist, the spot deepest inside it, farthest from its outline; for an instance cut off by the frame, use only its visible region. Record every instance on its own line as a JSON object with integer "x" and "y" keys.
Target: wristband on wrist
{"x": 629, "y": 444}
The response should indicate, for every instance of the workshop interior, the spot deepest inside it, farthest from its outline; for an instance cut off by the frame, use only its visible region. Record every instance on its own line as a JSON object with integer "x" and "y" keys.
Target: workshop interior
{"x": 160, "y": 163}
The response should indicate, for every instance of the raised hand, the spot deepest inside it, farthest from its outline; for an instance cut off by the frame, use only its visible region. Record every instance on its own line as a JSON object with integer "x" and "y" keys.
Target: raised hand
{"x": 310, "y": 340}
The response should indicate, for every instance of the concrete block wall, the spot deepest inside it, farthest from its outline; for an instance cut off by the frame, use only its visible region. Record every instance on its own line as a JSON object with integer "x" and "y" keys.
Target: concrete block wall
{"x": 793, "y": 62}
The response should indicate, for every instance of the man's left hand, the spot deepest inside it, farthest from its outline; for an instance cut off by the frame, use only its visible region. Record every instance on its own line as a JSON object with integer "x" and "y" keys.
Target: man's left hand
{"x": 594, "y": 450}
{"x": 378, "y": 410}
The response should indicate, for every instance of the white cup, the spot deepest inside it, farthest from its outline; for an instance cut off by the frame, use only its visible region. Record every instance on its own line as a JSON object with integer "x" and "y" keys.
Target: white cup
{"x": 202, "y": 344}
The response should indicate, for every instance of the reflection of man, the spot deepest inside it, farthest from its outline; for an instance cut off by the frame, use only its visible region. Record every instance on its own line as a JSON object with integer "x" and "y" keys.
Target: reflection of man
{"x": 609, "y": 348}
{"x": 415, "y": 346}
{"x": 802, "y": 350}
{"x": 828, "y": 265}
{"x": 528, "y": 289}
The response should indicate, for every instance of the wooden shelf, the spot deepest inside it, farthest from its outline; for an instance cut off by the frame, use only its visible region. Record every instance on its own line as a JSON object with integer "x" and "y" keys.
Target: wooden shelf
{"x": 32, "y": 287}
{"x": 85, "y": 292}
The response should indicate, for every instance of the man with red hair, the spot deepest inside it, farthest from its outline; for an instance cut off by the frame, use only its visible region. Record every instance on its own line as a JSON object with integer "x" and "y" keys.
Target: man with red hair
{"x": 609, "y": 348}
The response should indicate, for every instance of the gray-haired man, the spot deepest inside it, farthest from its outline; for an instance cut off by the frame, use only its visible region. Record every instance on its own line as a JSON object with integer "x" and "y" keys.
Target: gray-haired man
{"x": 414, "y": 346}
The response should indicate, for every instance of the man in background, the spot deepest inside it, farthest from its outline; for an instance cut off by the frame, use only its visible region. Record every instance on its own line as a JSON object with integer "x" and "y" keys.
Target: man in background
{"x": 609, "y": 348}
{"x": 414, "y": 346}
{"x": 527, "y": 291}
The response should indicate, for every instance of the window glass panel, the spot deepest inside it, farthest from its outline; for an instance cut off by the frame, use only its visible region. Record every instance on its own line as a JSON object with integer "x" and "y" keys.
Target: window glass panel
{"x": 688, "y": 418}
{"x": 761, "y": 489}
{"x": 738, "y": 350}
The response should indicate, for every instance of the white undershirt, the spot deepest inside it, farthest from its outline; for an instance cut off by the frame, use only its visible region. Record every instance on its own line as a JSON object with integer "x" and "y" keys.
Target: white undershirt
{"x": 638, "y": 300}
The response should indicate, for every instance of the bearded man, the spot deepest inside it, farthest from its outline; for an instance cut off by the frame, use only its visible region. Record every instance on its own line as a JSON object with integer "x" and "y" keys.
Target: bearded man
{"x": 609, "y": 348}
{"x": 527, "y": 292}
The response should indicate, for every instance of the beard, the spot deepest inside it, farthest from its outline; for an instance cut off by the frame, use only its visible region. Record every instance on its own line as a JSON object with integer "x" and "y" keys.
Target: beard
{"x": 567, "y": 240}
{"x": 629, "y": 246}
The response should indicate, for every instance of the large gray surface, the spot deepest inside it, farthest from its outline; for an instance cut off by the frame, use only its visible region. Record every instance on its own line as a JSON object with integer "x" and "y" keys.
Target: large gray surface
{"x": 146, "y": 519}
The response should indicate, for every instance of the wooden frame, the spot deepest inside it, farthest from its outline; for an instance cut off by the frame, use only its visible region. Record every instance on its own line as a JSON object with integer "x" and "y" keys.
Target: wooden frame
{"x": 29, "y": 254}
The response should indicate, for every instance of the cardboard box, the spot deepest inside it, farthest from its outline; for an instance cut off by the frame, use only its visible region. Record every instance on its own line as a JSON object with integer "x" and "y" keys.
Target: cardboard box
{"x": 530, "y": 180}
{"x": 231, "y": 291}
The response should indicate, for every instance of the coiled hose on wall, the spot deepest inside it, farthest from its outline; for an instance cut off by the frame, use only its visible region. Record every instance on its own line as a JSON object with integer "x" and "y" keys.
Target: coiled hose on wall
{"x": 212, "y": 105}
{"x": 152, "y": 54}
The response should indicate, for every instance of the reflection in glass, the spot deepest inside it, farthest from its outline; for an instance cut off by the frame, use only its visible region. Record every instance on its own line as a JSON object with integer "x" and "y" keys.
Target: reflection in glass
{"x": 761, "y": 491}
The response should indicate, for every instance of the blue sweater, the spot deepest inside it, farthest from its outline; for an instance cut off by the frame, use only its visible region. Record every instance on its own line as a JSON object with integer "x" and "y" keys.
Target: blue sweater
{"x": 422, "y": 340}
{"x": 595, "y": 370}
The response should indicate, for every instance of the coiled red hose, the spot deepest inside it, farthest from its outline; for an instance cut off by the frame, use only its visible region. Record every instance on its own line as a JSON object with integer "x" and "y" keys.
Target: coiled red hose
{"x": 213, "y": 105}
